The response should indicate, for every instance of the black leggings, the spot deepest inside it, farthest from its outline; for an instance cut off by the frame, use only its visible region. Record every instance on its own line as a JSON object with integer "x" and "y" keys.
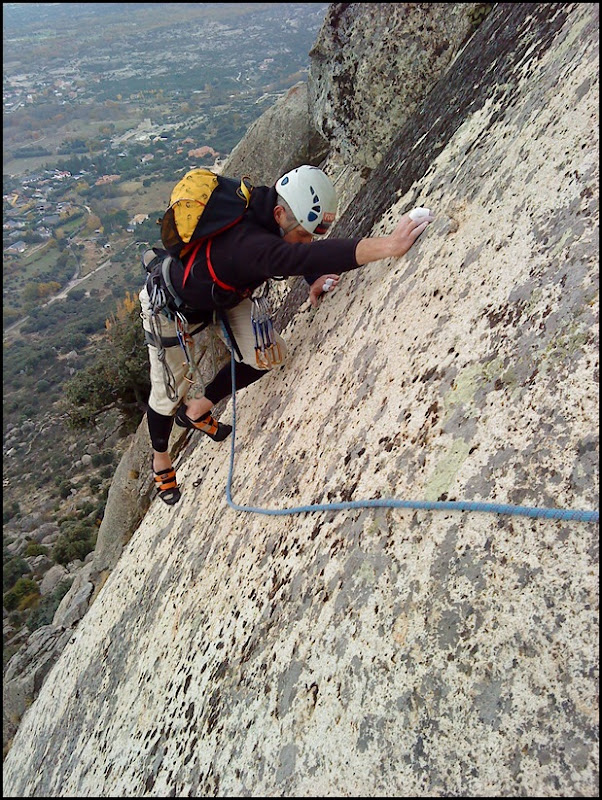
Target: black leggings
{"x": 159, "y": 425}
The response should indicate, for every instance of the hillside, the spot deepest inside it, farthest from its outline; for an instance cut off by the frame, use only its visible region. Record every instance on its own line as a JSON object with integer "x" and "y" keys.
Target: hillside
{"x": 115, "y": 131}
{"x": 383, "y": 651}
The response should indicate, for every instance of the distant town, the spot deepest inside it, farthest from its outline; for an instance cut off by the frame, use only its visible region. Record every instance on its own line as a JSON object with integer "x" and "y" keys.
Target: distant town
{"x": 99, "y": 120}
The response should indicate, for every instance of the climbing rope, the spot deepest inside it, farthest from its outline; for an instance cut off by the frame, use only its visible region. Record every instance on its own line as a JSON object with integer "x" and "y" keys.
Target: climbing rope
{"x": 439, "y": 505}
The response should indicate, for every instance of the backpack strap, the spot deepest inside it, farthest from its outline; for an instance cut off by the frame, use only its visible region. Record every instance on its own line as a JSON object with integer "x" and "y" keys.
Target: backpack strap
{"x": 221, "y": 284}
{"x": 167, "y": 280}
{"x": 190, "y": 261}
{"x": 210, "y": 267}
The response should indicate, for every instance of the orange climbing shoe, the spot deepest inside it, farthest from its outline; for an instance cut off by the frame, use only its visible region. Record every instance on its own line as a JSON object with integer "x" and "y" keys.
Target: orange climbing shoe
{"x": 215, "y": 430}
{"x": 167, "y": 486}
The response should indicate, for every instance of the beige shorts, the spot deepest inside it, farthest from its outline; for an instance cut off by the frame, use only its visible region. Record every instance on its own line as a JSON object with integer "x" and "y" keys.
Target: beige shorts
{"x": 239, "y": 318}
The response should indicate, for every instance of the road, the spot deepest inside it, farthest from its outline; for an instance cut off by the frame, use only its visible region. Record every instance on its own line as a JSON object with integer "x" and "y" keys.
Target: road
{"x": 75, "y": 281}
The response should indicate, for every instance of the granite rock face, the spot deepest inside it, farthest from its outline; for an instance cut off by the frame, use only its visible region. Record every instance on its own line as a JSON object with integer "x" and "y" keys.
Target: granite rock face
{"x": 373, "y": 64}
{"x": 384, "y": 651}
{"x": 282, "y": 138}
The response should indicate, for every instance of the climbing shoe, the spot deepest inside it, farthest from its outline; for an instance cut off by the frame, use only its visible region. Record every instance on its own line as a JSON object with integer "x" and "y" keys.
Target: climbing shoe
{"x": 215, "y": 430}
{"x": 167, "y": 486}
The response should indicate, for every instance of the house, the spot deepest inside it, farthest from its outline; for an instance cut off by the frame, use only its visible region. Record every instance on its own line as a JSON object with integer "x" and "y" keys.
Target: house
{"x": 200, "y": 152}
{"x": 11, "y": 225}
{"x": 16, "y": 248}
{"x": 107, "y": 179}
{"x": 51, "y": 221}
{"x": 138, "y": 219}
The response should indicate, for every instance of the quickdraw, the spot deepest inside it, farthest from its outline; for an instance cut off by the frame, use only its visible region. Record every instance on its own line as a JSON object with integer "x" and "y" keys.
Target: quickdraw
{"x": 267, "y": 349}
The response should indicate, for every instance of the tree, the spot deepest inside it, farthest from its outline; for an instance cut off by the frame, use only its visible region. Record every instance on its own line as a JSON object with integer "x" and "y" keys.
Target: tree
{"x": 48, "y": 289}
{"x": 47, "y": 606}
{"x": 93, "y": 223}
{"x": 12, "y": 570}
{"x": 24, "y": 594}
{"x": 116, "y": 221}
{"x": 118, "y": 378}
{"x": 77, "y": 539}
{"x": 30, "y": 295}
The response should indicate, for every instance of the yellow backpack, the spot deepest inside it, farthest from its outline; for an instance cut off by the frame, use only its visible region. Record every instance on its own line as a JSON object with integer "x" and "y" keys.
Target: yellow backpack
{"x": 202, "y": 205}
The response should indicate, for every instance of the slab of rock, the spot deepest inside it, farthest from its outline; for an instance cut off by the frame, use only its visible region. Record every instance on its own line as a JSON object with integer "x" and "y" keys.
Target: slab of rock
{"x": 384, "y": 651}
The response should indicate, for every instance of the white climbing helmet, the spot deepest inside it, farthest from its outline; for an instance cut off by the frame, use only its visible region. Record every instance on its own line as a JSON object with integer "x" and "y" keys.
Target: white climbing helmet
{"x": 311, "y": 196}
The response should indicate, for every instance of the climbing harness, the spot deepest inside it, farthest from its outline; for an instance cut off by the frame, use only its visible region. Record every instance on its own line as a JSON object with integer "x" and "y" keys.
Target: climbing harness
{"x": 440, "y": 505}
{"x": 154, "y": 338}
{"x": 164, "y": 301}
{"x": 184, "y": 339}
{"x": 187, "y": 344}
{"x": 267, "y": 349}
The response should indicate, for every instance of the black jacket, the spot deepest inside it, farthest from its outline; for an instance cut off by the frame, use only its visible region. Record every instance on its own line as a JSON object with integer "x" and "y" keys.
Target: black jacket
{"x": 253, "y": 251}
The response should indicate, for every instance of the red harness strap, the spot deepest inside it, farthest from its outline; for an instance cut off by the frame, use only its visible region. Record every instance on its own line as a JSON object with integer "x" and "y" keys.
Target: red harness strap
{"x": 221, "y": 284}
{"x": 195, "y": 251}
